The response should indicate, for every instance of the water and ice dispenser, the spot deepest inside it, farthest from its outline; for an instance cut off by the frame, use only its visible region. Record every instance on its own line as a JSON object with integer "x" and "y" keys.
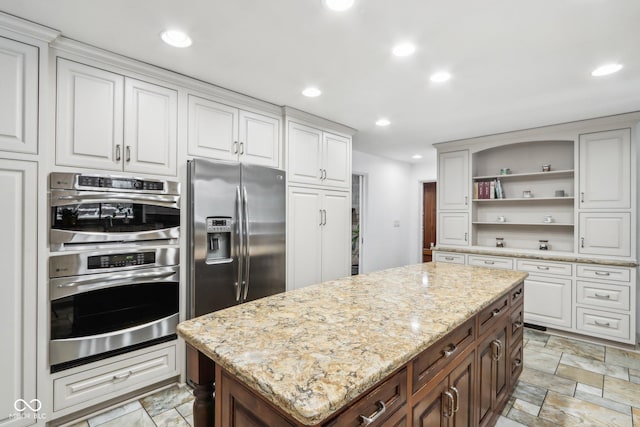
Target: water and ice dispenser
{"x": 218, "y": 240}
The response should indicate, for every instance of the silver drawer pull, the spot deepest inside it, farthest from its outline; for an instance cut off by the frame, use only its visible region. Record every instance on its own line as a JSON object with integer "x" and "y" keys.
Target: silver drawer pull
{"x": 447, "y": 411}
{"x": 602, "y": 273}
{"x": 604, "y": 324}
{"x": 121, "y": 377}
{"x": 540, "y": 267}
{"x": 456, "y": 394}
{"x": 452, "y": 349}
{"x": 517, "y": 363}
{"x": 517, "y": 293}
{"x": 381, "y": 410}
{"x": 489, "y": 262}
{"x": 601, "y": 296}
{"x": 449, "y": 258}
{"x": 518, "y": 324}
{"x": 495, "y": 312}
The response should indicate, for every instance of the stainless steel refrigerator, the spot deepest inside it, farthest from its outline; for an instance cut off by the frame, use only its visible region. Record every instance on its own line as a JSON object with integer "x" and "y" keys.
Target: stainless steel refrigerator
{"x": 236, "y": 233}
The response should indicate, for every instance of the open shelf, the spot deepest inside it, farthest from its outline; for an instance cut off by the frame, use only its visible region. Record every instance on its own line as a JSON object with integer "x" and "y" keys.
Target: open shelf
{"x": 535, "y": 175}
{"x": 526, "y": 199}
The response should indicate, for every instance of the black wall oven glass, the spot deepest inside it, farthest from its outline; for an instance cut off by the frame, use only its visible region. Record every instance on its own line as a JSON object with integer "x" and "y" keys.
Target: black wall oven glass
{"x": 107, "y": 310}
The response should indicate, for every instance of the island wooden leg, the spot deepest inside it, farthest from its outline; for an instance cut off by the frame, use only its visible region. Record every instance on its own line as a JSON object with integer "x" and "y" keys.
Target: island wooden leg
{"x": 202, "y": 373}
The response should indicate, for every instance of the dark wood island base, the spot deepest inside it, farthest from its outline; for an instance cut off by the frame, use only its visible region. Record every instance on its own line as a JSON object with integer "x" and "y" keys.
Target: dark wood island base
{"x": 464, "y": 379}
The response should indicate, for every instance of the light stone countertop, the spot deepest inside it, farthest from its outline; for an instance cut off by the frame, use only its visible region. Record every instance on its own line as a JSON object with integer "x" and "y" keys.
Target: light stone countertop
{"x": 538, "y": 255}
{"x": 313, "y": 350}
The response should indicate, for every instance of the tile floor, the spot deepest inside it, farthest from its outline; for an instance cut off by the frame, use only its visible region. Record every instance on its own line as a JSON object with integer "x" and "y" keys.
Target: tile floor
{"x": 565, "y": 382}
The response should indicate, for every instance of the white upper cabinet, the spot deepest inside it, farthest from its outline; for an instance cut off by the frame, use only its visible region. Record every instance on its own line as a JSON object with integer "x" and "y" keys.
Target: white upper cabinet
{"x": 605, "y": 233}
{"x": 150, "y": 133}
{"x": 317, "y": 157}
{"x": 106, "y": 121}
{"x": 219, "y": 131}
{"x": 453, "y": 181}
{"x": 605, "y": 170}
{"x": 18, "y": 97}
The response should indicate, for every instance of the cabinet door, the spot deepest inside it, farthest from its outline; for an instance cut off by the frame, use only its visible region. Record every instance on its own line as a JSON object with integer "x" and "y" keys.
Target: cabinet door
{"x": 453, "y": 181}
{"x": 304, "y": 154}
{"x": 336, "y": 235}
{"x": 548, "y": 301}
{"x": 18, "y": 97}
{"x": 461, "y": 383}
{"x": 453, "y": 229}
{"x": 18, "y": 258}
{"x": 89, "y": 125}
{"x": 493, "y": 373}
{"x": 432, "y": 409}
{"x": 303, "y": 238}
{"x": 259, "y": 139}
{"x": 605, "y": 170}
{"x": 605, "y": 233}
{"x": 336, "y": 153}
{"x": 150, "y": 136}
{"x": 212, "y": 130}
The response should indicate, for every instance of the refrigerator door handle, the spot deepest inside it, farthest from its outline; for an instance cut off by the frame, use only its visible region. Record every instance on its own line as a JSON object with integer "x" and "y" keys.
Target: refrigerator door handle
{"x": 238, "y": 284}
{"x": 247, "y": 244}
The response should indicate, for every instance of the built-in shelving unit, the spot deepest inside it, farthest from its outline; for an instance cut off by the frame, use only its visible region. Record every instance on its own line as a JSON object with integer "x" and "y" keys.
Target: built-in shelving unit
{"x": 515, "y": 218}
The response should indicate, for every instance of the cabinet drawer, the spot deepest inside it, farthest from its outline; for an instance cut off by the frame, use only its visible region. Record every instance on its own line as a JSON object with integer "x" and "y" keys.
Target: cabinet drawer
{"x": 392, "y": 392}
{"x": 604, "y": 295}
{"x": 449, "y": 257}
{"x": 544, "y": 267}
{"x": 604, "y": 273}
{"x": 490, "y": 316}
{"x": 493, "y": 262}
{"x": 432, "y": 360}
{"x": 603, "y": 324}
{"x": 516, "y": 362}
{"x": 106, "y": 381}
{"x": 517, "y": 294}
{"x": 516, "y": 324}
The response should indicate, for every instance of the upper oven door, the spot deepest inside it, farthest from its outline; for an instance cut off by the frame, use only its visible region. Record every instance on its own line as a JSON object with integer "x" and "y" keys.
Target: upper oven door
{"x": 94, "y": 217}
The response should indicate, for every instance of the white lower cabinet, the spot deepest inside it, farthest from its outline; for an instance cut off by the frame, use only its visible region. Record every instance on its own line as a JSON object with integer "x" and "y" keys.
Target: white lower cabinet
{"x": 18, "y": 258}
{"x": 548, "y": 301}
{"x": 590, "y": 299}
{"x": 318, "y": 236}
{"x": 110, "y": 380}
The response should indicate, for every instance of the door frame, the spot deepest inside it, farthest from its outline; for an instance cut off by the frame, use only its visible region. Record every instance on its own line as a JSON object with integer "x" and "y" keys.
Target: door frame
{"x": 363, "y": 196}
{"x": 421, "y": 217}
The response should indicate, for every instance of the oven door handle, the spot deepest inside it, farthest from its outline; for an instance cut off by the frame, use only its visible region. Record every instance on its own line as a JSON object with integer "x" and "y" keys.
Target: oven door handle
{"x": 62, "y": 198}
{"x": 64, "y": 287}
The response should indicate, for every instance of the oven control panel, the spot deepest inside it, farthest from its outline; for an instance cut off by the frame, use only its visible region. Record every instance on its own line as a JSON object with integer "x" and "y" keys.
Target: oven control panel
{"x": 119, "y": 183}
{"x": 121, "y": 260}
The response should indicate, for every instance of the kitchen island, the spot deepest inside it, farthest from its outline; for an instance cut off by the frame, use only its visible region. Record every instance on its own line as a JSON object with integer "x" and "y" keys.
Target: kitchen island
{"x": 404, "y": 346}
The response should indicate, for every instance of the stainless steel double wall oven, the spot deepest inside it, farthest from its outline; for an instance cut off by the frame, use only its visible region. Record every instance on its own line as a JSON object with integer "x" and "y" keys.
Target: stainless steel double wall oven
{"x": 114, "y": 265}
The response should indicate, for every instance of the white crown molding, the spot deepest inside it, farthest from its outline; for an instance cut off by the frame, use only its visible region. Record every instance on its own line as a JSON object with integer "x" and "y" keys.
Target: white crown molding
{"x": 27, "y": 28}
{"x": 64, "y": 45}
{"x": 294, "y": 113}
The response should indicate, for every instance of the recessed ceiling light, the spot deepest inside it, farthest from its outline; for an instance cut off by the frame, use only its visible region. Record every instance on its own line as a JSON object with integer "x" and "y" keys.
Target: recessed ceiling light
{"x": 440, "y": 77}
{"x": 404, "y": 49}
{"x": 312, "y": 92}
{"x": 338, "y": 5}
{"x": 176, "y": 38}
{"x": 416, "y": 156}
{"x": 606, "y": 69}
{"x": 383, "y": 122}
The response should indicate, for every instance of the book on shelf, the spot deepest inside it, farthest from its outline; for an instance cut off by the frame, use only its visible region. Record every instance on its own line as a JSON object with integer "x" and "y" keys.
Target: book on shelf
{"x": 499, "y": 190}
{"x": 476, "y": 194}
{"x": 492, "y": 190}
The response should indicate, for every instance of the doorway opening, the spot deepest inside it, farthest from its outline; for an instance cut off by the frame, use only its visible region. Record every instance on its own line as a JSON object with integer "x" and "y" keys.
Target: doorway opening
{"x": 357, "y": 204}
{"x": 429, "y": 201}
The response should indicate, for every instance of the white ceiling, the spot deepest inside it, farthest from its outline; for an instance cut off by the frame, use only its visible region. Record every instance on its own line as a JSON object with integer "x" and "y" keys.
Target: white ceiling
{"x": 516, "y": 64}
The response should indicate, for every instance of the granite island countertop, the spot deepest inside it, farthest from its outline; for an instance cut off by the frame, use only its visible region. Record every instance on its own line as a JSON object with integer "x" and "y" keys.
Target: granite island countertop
{"x": 313, "y": 350}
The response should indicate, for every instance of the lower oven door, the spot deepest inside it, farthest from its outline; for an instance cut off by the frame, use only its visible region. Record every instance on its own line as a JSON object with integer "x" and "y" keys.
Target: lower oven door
{"x": 102, "y": 314}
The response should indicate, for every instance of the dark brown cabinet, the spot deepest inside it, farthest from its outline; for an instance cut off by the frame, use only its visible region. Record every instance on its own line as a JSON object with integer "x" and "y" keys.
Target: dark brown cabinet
{"x": 449, "y": 403}
{"x": 493, "y": 382}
